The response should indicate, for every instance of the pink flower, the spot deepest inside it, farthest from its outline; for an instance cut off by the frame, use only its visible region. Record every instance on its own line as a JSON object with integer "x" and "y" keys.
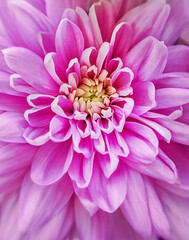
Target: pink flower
{"x": 94, "y": 128}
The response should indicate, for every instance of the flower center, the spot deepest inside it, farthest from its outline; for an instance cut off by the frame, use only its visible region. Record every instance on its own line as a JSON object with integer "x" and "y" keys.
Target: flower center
{"x": 92, "y": 95}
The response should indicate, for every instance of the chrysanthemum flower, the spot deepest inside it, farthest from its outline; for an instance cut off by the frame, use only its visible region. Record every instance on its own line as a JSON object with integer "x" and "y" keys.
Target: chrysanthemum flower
{"x": 94, "y": 126}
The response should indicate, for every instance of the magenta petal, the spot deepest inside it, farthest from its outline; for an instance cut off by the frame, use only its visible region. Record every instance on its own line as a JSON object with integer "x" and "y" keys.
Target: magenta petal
{"x": 148, "y": 19}
{"x": 147, "y": 59}
{"x": 143, "y": 137}
{"x": 135, "y": 206}
{"x": 81, "y": 169}
{"x": 62, "y": 107}
{"x": 92, "y": 229}
{"x": 171, "y": 97}
{"x": 121, "y": 80}
{"x": 31, "y": 68}
{"x": 177, "y": 59}
{"x": 82, "y": 20}
{"x": 51, "y": 162}
{"x": 175, "y": 22}
{"x": 39, "y": 117}
{"x": 108, "y": 163}
{"x": 29, "y": 22}
{"x": 15, "y": 157}
{"x": 34, "y": 199}
{"x": 36, "y": 136}
{"x": 21, "y": 86}
{"x": 12, "y": 127}
{"x": 60, "y": 129}
{"x": 158, "y": 216}
{"x": 86, "y": 200}
{"x": 121, "y": 39}
{"x": 144, "y": 97}
{"x": 103, "y": 20}
{"x": 40, "y": 100}
{"x": 109, "y": 193}
{"x": 12, "y": 103}
{"x": 49, "y": 63}
{"x": 162, "y": 168}
{"x": 56, "y": 9}
{"x": 65, "y": 48}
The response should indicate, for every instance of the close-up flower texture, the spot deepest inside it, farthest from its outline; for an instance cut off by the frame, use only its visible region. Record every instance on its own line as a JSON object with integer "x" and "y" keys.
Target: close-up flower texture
{"x": 94, "y": 119}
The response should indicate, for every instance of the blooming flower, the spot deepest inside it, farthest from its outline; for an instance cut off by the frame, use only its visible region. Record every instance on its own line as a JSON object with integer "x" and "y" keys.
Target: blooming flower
{"x": 94, "y": 120}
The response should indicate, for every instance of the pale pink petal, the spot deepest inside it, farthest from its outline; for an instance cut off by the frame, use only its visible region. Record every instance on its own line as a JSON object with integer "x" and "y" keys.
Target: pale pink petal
{"x": 12, "y": 127}
{"x": 135, "y": 206}
{"x": 147, "y": 59}
{"x": 177, "y": 59}
{"x": 148, "y": 19}
{"x": 59, "y": 129}
{"x": 65, "y": 48}
{"x": 121, "y": 40}
{"x": 109, "y": 193}
{"x": 31, "y": 68}
{"x": 35, "y": 199}
{"x": 81, "y": 169}
{"x": 51, "y": 162}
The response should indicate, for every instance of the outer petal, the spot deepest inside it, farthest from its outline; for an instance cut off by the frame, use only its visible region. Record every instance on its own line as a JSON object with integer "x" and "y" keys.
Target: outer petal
{"x": 135, "y": 206}
{"x": 176, "y": 21}
{"x": 34, "y": 201}
{"x": 102, "y": 16}
{"x": 147, "y": 19}
{"x": 94, "y": 227}
{"x": 12, "y": 127}
{"x": 31, "y": 68}
{"x": 121, "y": 39}
{"x": 81, "y": 169}
{"x": 51, "y": 162}
{"x": 55, "y": 9}
{"x": 147, "y": 59}
{"x": 177, "y": 59}
{"x": 108, "y": 194}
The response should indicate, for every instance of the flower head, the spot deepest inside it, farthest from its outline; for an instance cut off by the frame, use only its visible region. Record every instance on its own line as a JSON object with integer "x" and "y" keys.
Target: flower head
{"x": 93, "y": 100}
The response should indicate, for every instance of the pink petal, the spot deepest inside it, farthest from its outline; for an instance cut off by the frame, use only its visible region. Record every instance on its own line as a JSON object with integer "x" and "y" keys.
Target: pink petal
{"x": 175, "y": 22}
{"x": 40, "y": 100}
{"x": 36, "y": 136}
{"x": 15, "y": 157}
{"x": 158, "y": 216}
{"x": 81, "y": 170}
{"x": 12, "y": 103}
{"x": 103, "y": 20}
{"x": 55, "y": 9}
{"x": 12, "y": 127}
{"x": 65, "y": 48}
{"x": 148, "y": 19}
{"x": 29, "y": 22}
{"x": 82, "y": 20}
{"x": 20, "y": 60}
{"x": 121, "y": 80}
{"x": 135, "y": 206}
{"x": 92, "y": 229}
{"x": 147, "y": 59}
{"x": 143, "y": 137}
{"x": 34, "y": 199}
{"x": 171, "y": 97}
{"x": 60, "y": 130}
{"x": 144, "y": 97}
{"x": 121, "y": 39}
{"x": 177, "y": 59}
{"x": 63, "y": 107}
{"x": 51, "y": 162}
{"x": 108, "y": 194}
{"x": 39, "y": 117}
